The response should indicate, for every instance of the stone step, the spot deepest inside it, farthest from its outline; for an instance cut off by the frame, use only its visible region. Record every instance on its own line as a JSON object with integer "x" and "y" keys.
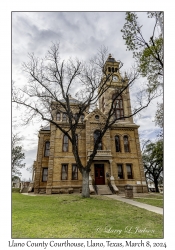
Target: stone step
{"x": 103, "y": 189}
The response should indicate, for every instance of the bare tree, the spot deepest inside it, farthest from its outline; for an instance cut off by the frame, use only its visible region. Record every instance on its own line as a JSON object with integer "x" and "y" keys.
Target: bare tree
{"x": 50, "y": 82}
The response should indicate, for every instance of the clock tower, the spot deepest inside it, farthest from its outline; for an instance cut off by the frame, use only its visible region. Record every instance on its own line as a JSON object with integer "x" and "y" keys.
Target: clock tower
{"x": 115, "y": 83}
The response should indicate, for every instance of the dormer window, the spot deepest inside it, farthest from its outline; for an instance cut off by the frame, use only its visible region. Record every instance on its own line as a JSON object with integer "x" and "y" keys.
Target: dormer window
{"x": 64, "y": 117}
{"x": 58, "y": 116}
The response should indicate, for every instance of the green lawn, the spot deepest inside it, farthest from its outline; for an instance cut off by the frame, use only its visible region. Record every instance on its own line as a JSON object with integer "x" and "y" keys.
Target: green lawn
{"x": 70, "y": 216}
{"x": 158, "y": 202}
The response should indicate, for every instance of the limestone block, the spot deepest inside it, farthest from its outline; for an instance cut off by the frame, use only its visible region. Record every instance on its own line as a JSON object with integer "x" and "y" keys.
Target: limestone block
{"x": 48, "y": 190}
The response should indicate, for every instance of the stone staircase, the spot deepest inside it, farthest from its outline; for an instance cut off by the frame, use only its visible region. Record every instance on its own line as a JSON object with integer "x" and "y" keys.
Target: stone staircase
{"x": 103, "y": 189}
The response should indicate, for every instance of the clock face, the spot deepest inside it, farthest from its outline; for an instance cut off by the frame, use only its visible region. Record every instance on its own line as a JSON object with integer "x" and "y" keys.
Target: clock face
{"x": 115, "y": 78}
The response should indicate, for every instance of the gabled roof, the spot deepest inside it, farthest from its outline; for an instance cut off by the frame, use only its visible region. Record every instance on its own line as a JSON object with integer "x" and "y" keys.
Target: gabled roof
{"x": 95, "y": 112}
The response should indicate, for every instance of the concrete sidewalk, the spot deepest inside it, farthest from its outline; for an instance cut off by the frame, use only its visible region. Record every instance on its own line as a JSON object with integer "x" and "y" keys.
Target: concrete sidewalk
{"x": 154, "y": 209}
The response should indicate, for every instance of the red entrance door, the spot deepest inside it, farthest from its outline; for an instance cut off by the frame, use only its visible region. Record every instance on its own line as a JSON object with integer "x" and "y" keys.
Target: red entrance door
{"x": 99, "y": 174}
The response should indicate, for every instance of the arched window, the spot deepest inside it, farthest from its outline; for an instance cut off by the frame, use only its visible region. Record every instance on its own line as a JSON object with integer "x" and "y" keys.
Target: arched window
{"x": 64, "y": 118}
{"x": 118, "y": 106}
{"x": 109, "y": 69}
{"x": 117, "y": 143}
{"x": 58, "y": 118}
{"x": 97, "y": 133}
{"x": 47, "y": 148}
{"x": 126, "y": 143}
{"x": 65, "y": 143}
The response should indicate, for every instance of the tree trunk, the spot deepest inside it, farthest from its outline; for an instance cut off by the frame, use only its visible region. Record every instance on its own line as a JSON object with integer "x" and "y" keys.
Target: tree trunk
{"x": 85, "y": 184}
{"x": 156, "y": 185}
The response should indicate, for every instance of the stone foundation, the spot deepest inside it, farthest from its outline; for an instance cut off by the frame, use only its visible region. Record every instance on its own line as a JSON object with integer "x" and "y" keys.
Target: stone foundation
{"x": 59, "y": 190}
{"x": 136, "y": 188}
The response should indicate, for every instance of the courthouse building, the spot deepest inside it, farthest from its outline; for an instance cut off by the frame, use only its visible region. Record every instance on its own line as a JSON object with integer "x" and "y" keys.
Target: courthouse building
{"x": 118, "y": 159}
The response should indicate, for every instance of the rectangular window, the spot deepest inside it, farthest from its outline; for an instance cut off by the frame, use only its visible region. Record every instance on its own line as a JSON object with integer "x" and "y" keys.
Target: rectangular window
{"x": 47, "y": 148}
{"x": 45, "y": 174}
{"x": 129, "y": 171}
{"x": 74, "y": 172}
{"x": 120, "y": 171}
{"x": 64, "y": 172}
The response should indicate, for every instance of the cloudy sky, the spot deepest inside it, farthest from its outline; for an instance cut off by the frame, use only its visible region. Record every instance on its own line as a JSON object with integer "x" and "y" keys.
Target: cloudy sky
{"x": 80, "y": 34}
